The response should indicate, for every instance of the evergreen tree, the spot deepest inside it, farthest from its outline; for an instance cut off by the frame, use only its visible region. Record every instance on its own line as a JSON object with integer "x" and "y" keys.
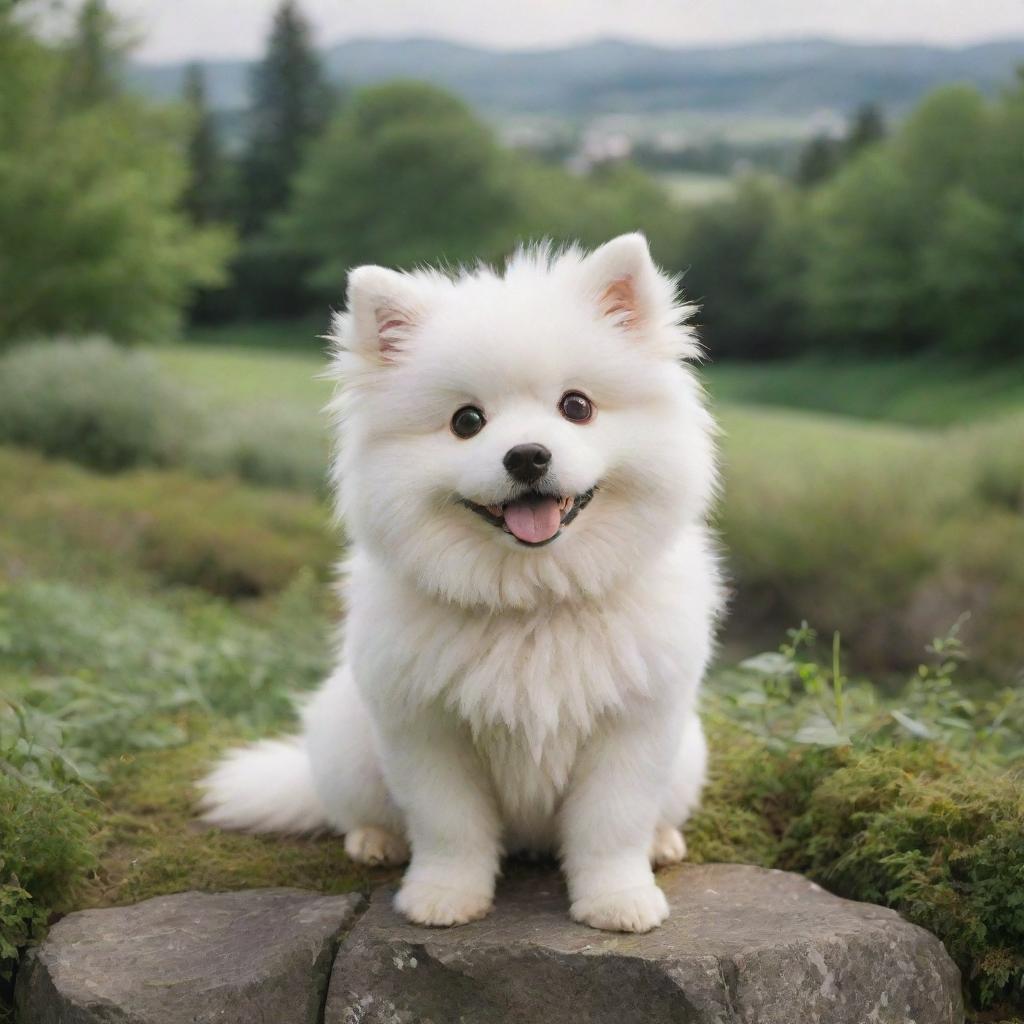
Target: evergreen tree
{"x": 818, "y": 161}
{"x": 94, "y": 57}
{"x": 203, "y": 197}
{"x": 867, "y": 126}
{"x": 290, "y": 106}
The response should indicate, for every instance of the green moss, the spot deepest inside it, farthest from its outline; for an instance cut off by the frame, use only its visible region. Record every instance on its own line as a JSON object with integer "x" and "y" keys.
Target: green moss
{"x": 940, "y": 839}
{"x": 937, "y": 836}
{"x": 152, "y": 844}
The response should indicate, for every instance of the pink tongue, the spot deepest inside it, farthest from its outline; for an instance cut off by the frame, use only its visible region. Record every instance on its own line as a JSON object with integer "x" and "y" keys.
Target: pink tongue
{"x": 533, "y": 521}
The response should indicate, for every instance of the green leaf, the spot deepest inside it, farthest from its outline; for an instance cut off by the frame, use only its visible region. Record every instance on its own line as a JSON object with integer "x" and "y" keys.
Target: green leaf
{"x": 912, "y": 725}
{"x": 819, "y": 730}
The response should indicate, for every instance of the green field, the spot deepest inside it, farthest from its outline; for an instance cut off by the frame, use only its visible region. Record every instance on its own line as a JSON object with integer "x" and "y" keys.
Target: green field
{"x": 925, "y": 391}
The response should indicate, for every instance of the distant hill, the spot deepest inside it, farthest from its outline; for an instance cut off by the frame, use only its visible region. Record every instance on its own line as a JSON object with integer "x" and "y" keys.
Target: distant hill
{"x": 789, "y": 79}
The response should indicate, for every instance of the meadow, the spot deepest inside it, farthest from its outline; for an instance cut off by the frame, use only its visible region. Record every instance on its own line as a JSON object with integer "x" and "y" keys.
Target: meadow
{"x": 164, "y": 594}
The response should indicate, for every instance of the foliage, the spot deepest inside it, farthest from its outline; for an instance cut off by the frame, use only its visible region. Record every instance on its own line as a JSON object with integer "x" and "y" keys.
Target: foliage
{"x": 743, "y": 258}
{"x": 823, "y": 155}
{"x": 91, "y": 237}
{"x": 91, "y": 676}
{"x": 205, "y": 195}
{"x": 914, "y": 801}
{"x": 162, "y": 527}
{"x": 906, "y": 243}
{"x": 93, "y": 58}
{"x": 291, "y": 103}
{"x": 407, "y": 175}
{"x": 887, "y": 533}
{"x": 114, "y": 409}
{"x": 443, "y": 196}
{"x": 277, "y": 448}
{"x": 93, "y": 403}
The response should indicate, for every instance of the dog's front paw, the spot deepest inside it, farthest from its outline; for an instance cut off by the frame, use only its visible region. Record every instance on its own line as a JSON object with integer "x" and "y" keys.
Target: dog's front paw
{"x": 440, "y": 906}
{"x": 630, "y": 910}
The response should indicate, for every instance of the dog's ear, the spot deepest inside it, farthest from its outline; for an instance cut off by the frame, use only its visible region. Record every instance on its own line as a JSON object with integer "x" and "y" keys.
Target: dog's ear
{"x": 384, "y": 310}
{"x": 623, "y": 280}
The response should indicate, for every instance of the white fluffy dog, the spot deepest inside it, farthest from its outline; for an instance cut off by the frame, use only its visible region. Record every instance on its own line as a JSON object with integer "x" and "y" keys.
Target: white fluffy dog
{"x": 525, "y": 466}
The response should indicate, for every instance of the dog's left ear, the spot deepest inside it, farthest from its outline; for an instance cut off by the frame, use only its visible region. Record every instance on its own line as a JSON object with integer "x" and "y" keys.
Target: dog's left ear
{"x": 384, "y": 310}
{"x": 623, "y": 280}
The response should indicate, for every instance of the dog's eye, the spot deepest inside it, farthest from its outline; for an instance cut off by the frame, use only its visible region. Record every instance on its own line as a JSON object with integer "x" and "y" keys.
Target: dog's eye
{"x": 576, "y": 407}
{"x": 468, "y": 421}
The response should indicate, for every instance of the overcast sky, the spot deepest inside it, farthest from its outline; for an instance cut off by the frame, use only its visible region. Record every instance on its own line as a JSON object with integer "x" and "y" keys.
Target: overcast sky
{"x": 177, "y": 29}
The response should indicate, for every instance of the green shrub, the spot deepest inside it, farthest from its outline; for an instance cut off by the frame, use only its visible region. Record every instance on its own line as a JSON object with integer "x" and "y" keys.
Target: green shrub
{"x": 89, "y": 677}
{"x": 937, "y": 838}
{"x": 91, "y": 402}
{"x": 914, "y": 802}
{"x": 888, "y": 533}
{"x": 101, "y": 672}
{"x": 44, "y": 828}
{"x": 995, "y": 463}
{"x": 276, "y": 447}
{"x": 44, "y": 853}
{"x": 934, "y": 835}
{"x": 168, "y": 526}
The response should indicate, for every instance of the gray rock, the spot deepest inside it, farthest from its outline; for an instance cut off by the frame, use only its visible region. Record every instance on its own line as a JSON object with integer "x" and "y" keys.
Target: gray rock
{"x": 742, "y": 945}
{"x": 234, "y": 958}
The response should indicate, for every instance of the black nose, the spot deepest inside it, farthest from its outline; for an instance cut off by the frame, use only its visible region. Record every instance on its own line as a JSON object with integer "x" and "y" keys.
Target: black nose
{"x": 527, "y": 462}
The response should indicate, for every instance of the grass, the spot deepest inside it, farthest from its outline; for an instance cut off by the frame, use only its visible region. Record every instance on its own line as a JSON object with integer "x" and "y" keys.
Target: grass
{"x": 296, "y": 336}
{"x": 238, "y": 375}
{"x": 265, "y": 363}
{"x": 922, "y": 391}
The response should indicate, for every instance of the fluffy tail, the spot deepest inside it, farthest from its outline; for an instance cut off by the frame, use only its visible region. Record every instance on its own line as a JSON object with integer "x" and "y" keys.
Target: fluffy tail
{"x": 266, "y": 787}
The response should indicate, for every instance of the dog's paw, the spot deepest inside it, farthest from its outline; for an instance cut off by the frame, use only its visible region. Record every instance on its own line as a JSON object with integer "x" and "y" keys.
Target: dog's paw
{"x": 630, "y": 910}
{"x": 669, "y": 846}
{"x": 376, "y": 846}
{"x": 440, "y": 906}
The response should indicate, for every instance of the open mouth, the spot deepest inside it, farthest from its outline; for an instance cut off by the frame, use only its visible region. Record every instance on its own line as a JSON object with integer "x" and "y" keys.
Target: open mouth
{"x": 534, "y": 519}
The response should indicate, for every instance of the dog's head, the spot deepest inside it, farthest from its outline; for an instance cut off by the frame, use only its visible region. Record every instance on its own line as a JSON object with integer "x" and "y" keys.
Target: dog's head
{"x": 509, "y": 439}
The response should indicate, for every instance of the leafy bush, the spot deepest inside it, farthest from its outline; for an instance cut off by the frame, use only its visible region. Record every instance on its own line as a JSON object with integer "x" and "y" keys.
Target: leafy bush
{"x": 276, "y": 447}
{"x": 158, "y": 525}
{"x": 888, "y": 533}
{"x": 88, "y": 677}
{"x": 92, "y": 237}
{"x": 913, "y": 802}
{"x": 92, "y": 402}
{"x": 44, "y": 827}
{"x": 997, "y": 467}
{"x": 112, "y": 409}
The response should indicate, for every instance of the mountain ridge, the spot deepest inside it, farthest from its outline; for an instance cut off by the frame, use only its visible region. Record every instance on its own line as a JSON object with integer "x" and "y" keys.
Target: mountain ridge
{"x": 786, "y": 77}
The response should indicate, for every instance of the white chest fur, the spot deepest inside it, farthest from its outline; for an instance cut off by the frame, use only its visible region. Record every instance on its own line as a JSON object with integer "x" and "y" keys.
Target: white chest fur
{"x": 532, "y": 685}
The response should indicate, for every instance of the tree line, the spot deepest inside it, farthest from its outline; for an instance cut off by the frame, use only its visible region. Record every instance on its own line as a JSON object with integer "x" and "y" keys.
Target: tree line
{"x": 120, "y": 217}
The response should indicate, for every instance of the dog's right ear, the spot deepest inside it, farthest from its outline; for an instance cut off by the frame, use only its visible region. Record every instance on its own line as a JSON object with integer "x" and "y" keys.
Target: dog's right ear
{"x": 383, "y": 310}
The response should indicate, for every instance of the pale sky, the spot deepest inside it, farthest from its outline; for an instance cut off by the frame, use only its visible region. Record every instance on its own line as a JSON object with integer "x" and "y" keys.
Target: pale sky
{"x": 180, "y": 29}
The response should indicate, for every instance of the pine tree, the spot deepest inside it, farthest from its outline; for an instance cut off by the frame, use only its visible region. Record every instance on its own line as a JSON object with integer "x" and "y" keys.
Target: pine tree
{"x": 867, "y": 126}
{"x": 94, "y": 57}
{"x": 291, "y": 104}
{"x": 819, "y": 160}
{"x": 204, "y": 196}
